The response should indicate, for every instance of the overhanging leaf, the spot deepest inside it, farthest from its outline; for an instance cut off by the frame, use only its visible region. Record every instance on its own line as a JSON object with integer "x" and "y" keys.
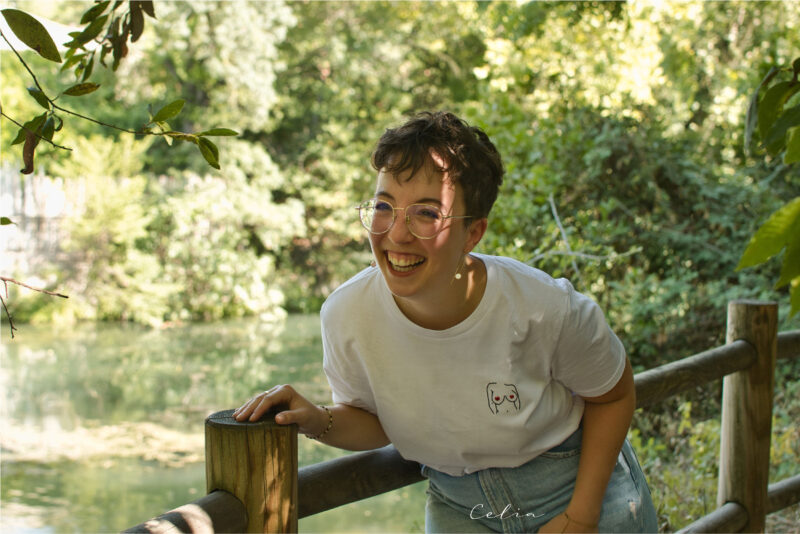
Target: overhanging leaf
{"x": 751, "y": 120}
{"x": 772, "y": 236}
{"x": 39, "y": 96}
{"x": 147, "y": 7}
{"x": 93, "y": 12}
{"x": 790, "y": 269}
{"x": 795, "y": 297}
{"x": 792, "y": 154}
{"x": 169, "y": 111}
{"x": 776, "y": 138}
{"x": 82, "y": 89}
{"x": 91, "y": 31}
{"x": 137, "y": 21}
{"x": 28, "y": 149}
{"x": 772, "y": 104}
{"x": 48, "y": 128}
{"x": 32, "y": 125}
{"x": 219, "y": 132}
{"x": 31, "y": 32}
{"x": 89, "y": 67}
{"x": 181, "y": 136}
{"x": 4, "y": 221}
{"x": 209, "y": 151}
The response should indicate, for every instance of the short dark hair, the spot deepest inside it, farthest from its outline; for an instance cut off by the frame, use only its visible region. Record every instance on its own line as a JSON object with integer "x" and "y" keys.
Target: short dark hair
{"x": 469, "y": 157}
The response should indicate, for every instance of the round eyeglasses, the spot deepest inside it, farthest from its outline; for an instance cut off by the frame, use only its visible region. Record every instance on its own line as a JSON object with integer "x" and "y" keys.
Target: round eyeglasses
{"x": 423, "y": 220}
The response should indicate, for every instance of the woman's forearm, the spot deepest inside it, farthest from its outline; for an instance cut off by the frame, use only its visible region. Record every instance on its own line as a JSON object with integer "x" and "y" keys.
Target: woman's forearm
{"x": 352, "y": 428}
{"x": 606, "y": 420}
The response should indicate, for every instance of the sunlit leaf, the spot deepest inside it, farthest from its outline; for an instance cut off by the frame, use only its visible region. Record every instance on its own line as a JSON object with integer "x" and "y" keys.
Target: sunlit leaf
{"x": 792, "y": 154}
{"x": 772, "y": 104}
{"x": 773, "y": 235}
{"x": 31, "y": 32}
{"x": 776, "y": 138}
{"x": 93, "y": 12}
{"x": 795, "y": 297}
{"x": 209, "y": 151}
{"x": 790, "y": 268}
{"x": 751, "y": 120}
{"x": 82, "y": 89}
{"x": 48, "y": 129}
{"x": 169, "y": 111}
{"x": 89, "y": 67}
{"x": 71, "y": 61}
{"x": 181, "y": 136}
{"x": 91, "y": 31}
{"x": 219, "y": 132}
{"x": 39, "y": 96}
{"x": 32, "y": 125}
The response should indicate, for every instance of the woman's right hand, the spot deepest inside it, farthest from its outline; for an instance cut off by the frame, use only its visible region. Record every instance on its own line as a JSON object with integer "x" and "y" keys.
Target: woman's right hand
{"x": 310, "y": 418}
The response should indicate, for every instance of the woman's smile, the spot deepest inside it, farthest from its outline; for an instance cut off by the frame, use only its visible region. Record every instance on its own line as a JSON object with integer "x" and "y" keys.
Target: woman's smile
{"x": 403, "y": 263}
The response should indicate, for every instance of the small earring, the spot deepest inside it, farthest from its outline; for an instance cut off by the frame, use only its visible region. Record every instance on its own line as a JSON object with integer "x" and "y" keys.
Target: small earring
{"x": 458, "y": 274}
{"x": 372, "y": 263}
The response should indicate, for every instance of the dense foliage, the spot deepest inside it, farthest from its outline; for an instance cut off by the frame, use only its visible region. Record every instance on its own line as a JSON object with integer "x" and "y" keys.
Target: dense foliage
{"x": 621, "y": 126}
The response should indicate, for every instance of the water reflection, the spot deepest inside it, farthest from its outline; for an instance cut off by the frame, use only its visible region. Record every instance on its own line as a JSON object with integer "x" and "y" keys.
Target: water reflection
{"x": 102, "y": 425}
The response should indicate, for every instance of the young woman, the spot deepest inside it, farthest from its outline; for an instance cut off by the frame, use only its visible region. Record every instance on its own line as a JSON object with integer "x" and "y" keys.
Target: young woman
{"x": 505, "y": 384}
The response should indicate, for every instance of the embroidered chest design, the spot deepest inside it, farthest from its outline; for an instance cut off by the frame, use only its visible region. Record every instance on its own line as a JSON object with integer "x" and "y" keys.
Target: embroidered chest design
{"x": 503, "y": 398}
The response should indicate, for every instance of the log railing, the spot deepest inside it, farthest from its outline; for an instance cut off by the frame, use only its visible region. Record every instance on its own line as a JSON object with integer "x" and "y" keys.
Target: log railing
{"x": 252, "y": 475}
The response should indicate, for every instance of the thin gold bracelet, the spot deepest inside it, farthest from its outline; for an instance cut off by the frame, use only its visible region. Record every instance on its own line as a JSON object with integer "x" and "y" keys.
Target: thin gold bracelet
{"x": 584, "y": 525}
{"x": 330, "y": 424}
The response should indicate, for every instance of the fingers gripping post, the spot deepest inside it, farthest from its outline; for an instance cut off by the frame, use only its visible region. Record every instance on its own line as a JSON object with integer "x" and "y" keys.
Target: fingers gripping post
{"x": 257, "y": 463}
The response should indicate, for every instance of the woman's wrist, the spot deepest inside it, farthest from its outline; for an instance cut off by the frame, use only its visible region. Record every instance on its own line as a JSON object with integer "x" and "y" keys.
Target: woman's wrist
{"x": 582, "y": 524}
{"x": 582, "y": 516}
{"x": 326, "y": 425}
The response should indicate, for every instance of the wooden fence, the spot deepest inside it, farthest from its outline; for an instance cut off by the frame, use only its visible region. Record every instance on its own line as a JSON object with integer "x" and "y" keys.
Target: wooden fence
{"x": 254, "y": 485}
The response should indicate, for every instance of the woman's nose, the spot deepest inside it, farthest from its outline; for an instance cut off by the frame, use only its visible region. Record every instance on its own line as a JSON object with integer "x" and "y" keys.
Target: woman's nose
{"x": 399, "y": 232}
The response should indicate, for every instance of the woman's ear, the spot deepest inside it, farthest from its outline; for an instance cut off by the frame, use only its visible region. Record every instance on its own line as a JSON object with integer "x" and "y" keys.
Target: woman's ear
{"x": 474, "y": 233}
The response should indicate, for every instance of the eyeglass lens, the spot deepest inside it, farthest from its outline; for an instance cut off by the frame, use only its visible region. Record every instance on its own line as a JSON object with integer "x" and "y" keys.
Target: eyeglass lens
{"x": 423, "y": 220}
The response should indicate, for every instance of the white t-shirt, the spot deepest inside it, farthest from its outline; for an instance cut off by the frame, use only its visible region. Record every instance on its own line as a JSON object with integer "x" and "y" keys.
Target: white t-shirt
{"x": 495, "y": 390}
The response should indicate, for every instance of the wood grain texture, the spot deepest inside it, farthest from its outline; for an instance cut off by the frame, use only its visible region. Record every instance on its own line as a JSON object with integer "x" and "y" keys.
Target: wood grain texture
{"x": 257, "y": 463}
{"x": 747, "y": 413}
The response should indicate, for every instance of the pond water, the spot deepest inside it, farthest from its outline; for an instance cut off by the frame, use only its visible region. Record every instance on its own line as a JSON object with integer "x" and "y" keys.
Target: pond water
{"x": 101, "y": 426}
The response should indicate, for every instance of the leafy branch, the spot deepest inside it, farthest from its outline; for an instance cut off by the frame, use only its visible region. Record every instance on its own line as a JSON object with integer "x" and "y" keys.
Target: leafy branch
{"x": 778, "y": 127}
{"x": 119, "y": 29}
{"x": 6, "y": 281}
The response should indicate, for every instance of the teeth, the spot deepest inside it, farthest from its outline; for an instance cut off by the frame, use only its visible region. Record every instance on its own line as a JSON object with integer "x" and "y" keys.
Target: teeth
{"x": 403, "y": 264}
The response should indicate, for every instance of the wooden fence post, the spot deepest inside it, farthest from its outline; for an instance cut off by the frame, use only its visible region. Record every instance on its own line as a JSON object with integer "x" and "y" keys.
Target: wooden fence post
{"x": 257, "y": 463}
{"x": 747, "y": 412}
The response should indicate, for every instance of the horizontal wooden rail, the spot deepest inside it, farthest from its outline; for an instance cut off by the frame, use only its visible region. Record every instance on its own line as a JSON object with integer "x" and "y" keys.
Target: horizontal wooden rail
{"x": 783, "y": 494}
{"x": 732, "y": 517}
{"x": 218, "y": 511}
{"x": 656, "y": 385}
{"x": 351, "y": 478}
{"x": 789, "y": 344}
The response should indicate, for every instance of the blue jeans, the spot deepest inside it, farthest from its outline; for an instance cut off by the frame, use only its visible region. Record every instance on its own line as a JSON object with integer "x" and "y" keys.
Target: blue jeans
{"x": 524, "y": 498}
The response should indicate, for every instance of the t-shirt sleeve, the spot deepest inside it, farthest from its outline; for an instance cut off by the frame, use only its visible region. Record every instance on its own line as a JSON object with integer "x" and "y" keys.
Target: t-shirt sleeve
{"x": 589, "y": 358}
{"x": 346, "y": 376}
